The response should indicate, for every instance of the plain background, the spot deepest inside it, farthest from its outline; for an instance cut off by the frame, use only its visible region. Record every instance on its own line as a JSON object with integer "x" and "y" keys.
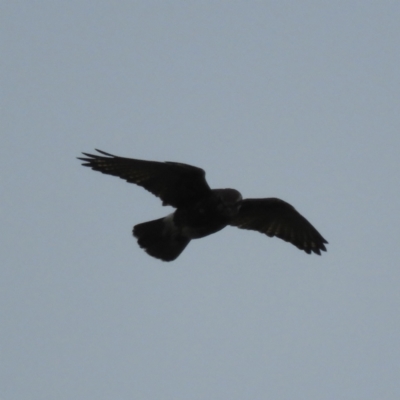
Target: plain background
{"x": 292, "y": 99}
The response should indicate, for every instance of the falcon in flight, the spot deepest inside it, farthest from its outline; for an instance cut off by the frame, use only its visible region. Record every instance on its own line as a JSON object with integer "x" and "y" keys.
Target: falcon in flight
{"x": 200, "y": 210}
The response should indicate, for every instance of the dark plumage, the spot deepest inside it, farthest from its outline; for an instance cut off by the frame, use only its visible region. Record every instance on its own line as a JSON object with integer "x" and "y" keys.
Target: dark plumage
{"x": 201, "y": 211}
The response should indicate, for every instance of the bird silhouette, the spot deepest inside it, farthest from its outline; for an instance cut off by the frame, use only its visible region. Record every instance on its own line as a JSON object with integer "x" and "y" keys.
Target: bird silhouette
{"x": 200, "y": 210}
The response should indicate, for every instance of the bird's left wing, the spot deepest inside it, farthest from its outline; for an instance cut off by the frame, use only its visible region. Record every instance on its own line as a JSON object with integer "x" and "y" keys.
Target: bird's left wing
{"x": 175, "y": 184}
{"x": 275, "y": 217}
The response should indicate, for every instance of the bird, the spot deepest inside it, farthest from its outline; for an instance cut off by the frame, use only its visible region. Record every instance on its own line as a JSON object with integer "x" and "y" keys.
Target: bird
{"x": 199, "y": 210}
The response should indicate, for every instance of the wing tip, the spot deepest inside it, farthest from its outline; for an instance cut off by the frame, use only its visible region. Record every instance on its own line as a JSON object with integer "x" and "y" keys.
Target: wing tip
{"x": 90, "y": 160}
{"x": 316, "y": 248}
{"x": 105, "y": 153}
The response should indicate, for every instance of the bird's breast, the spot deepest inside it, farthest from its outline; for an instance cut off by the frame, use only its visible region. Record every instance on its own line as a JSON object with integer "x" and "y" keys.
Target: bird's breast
{"x": 199, "y": 222}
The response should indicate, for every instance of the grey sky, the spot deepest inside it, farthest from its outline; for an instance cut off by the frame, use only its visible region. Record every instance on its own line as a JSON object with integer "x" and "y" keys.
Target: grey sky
{"x": 293, "y": 99}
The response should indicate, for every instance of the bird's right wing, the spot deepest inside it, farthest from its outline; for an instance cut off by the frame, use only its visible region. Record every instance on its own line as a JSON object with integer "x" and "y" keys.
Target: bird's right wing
{"x": 175, "y": 184}
{"x": 275, "y": 217}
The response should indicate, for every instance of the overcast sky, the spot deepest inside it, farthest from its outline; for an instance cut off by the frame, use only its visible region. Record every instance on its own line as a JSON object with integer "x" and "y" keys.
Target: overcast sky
{"x": 298, "y": 100}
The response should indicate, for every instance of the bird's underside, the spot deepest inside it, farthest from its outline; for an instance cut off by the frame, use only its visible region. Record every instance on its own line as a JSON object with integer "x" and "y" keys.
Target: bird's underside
{"x": 200, "y": 210}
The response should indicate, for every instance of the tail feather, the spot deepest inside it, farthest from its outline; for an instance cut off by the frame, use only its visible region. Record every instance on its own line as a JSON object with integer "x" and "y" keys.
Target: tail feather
{"x": 160, "y": 238}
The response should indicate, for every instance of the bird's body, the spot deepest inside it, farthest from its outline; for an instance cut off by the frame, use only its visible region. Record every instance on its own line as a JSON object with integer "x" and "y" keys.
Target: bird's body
{"x": 201, "y": 211}
{"x": 210, "y": 214}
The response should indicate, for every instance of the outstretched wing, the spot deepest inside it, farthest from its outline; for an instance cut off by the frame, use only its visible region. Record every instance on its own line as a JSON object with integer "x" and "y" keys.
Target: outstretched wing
{"x": 275, "y": 217}
{"x": 175, "y": 184}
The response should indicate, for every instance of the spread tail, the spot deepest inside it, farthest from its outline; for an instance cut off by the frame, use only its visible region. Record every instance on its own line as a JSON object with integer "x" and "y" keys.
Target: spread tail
{"x": 160, "y": 238}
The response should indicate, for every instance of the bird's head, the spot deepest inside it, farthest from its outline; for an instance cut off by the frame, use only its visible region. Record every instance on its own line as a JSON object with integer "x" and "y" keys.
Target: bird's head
{"x": 230, "y": 201}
